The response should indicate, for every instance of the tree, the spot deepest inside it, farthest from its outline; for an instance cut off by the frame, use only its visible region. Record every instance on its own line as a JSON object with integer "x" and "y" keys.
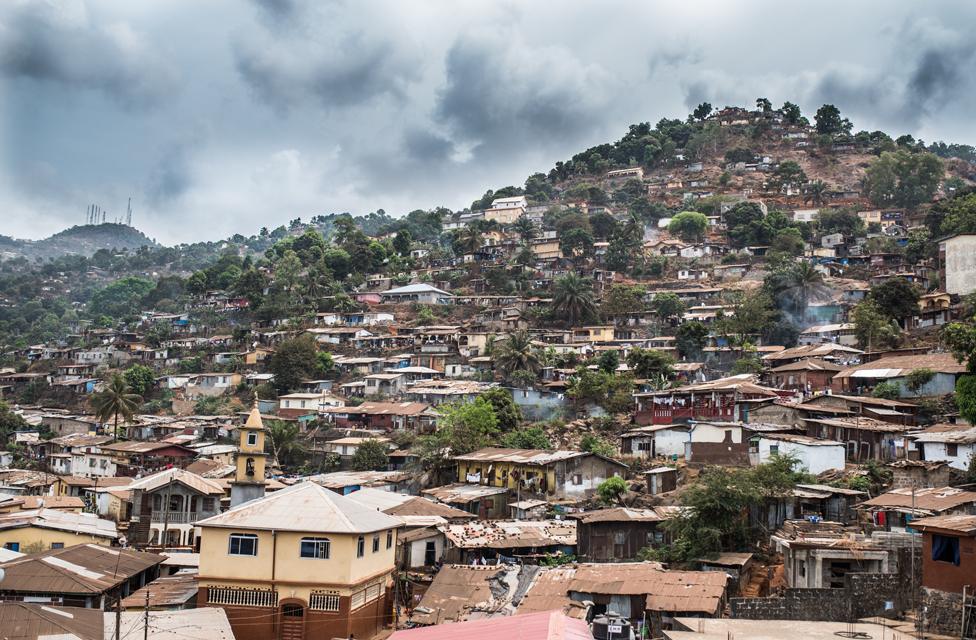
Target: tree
{"x": 955, "y": 215}
{"x": 573, "y": 299}
{"x": 702, "y": 111}
{"x": 507, "y": 413}
{"x": 533, "y": 437}
{"x": 966, "y": 399}
{"x": 886, "y": 390}
{"x": 462, "y": 428}
{"x": 750, "y": 316}
{"x": 608, "y": 361}
{"x": 791, "y": 113}
{"x": 816, "y": 193}
{"x": 468, "y": 240}
{"x": 897, "y": 297}
{"x": 745, "y": 224}
{"x": 903, "y": 178}
{"x": 788, "y": 241}
{"x": 651, "y": 364}
{"x": 690, "y": 226}
{"x": 690, "y": 338}
{"x": 667, "y": 305}
{"x": 525, "y": 228}
{"x": 371, "y": 455}
{"x": 623, "y": 298}
{"x": 293, "y": 361}
{"x": 788, "y": 174}
{"x": 576, "y": 242}
{"x": 518, "y": 353}
{"x": 402, "y": 242}
{"x": 284, "y": 443}
{"x": 10, "y": 422}
{"x": 794, "y": 286}
{"x": 120, "y": 299}
{"x": 610, "y": 489}
{"x": 117, "y": 400}
{"x": 595, "y": 444}
{"x": 873, "y": 327}
{"x": 916, "y": 379}
{"x": 140, "y": 379}
{"x": 603, "y": 225}
{"x": 287, "y": 270}
{"x": 764, "y": 105}
{"x": 842, "y": 221}
{"x": 829, "y": 121}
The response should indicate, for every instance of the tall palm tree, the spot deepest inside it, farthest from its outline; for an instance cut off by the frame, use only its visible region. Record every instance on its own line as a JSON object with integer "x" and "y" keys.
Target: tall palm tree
{"x": 816, "y": 192}
{"x": 525, "y": 228}
{"x": 801, "y": 283}
{"x": 573, "y": 299}
{"x": 518, "y": 353}
{"x": 116, "y": 400}
{"x": 468, "y": 239}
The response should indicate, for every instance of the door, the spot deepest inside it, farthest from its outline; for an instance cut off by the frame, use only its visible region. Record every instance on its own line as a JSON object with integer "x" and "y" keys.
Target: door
{"x": 292, "y": 622}
{"x": 430, "y": 554}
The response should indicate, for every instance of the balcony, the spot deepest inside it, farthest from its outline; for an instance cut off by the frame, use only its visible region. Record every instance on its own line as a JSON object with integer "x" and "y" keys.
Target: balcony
{"x": 180, "y": 517}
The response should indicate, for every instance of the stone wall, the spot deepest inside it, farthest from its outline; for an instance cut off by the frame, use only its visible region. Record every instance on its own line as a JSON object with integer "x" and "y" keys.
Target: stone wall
{"x": 943, "y": 612}
{"x": 863, "y": 595}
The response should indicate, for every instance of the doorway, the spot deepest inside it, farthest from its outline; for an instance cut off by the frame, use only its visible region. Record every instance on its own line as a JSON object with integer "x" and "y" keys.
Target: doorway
{"x": 292, "y": 622}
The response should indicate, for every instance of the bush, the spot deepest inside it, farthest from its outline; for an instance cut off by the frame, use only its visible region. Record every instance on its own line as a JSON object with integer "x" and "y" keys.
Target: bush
{"x": 610, "y": 489}
{"x": 887, "y": 390}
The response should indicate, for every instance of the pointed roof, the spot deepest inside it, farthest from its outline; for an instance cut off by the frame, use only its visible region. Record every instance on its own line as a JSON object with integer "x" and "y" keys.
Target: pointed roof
{"x": 305, "y": 507}
{"x": 161, "y": 479}
{"x": 254, "y": 420}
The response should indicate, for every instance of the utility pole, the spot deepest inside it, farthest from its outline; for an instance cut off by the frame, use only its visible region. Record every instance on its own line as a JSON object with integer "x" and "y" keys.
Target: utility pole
{"x": 145, "y": 618}
{"x": 118, "y": 615}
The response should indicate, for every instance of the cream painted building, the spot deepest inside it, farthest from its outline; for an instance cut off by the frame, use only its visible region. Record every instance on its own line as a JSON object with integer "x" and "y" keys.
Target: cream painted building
{"x": 309, "y": 562}
{"x": 43, "y": 529}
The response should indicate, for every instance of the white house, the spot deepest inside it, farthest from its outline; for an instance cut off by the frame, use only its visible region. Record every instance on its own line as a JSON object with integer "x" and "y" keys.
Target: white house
{"x": 839, "y": 333}
{"x": 955, "y": 447}
{"x": 421, "y": 293}
{"x": 814, "y": 455}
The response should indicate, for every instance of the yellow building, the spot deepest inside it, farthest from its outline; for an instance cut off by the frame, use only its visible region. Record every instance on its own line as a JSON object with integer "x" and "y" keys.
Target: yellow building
{"x": 249, "y": 483}
{"x": 305, "y": 561}
{"x": 43, "y": 529}
{"x": 593, "y": 334}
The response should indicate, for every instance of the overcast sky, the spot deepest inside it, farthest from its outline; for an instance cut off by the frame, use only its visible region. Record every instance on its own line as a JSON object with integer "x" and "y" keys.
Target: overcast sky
{"x": 220, "y": 117}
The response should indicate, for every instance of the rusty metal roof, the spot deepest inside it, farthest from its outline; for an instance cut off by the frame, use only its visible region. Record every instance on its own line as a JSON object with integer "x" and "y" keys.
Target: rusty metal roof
{"x": 455, "y": 591}
{"x": 179, "y": 476}
{"x": 964, "y": 524}
{"x": 546, "y": 625}
{"x": 23, "y": 621}
{"x": 509, "y": 534}
{"x": 621, "y": 514}
{"x": 81, "y": 569}
{"x": 165, "y": 592}
{"x": 86, "y": 524}
{"x": 932, "y": 499}
{"x": 521, "y": 456}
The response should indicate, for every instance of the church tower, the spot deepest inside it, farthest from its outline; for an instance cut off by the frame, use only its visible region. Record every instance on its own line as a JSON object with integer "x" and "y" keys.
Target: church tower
{"x": 249, "y": 481}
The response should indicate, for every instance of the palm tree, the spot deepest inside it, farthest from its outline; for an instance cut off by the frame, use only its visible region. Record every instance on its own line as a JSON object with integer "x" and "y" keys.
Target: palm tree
{"x": 573, "y": 299}
{"x": 518, "y": 354}
{"x": 116, "y": 400}
{"x": 468, "y": 239}
{"x": 800, "y": 283}
{"x": 525, "y": 228}
{"x": 816, "y": 193}
{"x": 285, "y": 443}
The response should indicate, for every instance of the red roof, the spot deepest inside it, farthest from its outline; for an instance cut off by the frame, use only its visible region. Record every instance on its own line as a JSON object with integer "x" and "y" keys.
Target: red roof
{"x": 548, "y": 625}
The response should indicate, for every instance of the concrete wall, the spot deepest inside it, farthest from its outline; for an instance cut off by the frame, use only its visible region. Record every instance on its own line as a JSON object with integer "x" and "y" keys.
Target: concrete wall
{"x": 815, "y": 459}
{"x": 960, "y": 264}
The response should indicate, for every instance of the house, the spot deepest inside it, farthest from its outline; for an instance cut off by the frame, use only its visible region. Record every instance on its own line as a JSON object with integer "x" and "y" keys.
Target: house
{"x": 619, "y": 534}
{"x": 948, "y": 567}
{"x": 206, "y": 623}
{"x": 813, "y": 454}
{"x": 416, "y": 293}
{"x": 176, "y": 592}
{"x": 346, "y": 482}
{"x": 636, "y": 173}
{"x": 293, "y": 405}
{"x": 85, "y": 575}
{"x": 167, "y": 503}
{"x": 486, "y": 540}
{"x": 346, "y": 447}
{"x": 897, "y": 508}
{"x": 44, "y": 528}
{"x": 956, "y": 263}
{"x": 558, "y": 474}
{"x": 865, "y": 438}
{"x": 419, "y": 417}
{"x": 302, "y": 562}
{"x": 806, "y": 375}
{"x": 547, "y": 625}
{"x": 836, "y": 504}
{"x": 661, "y": 480}
{"x": 827, "y": 351}
{"x": 133, "y": 457}
{"x": 953, "y": 444}
{"x": 212, "y": 384}
{"x": 485, "y": 502}
{"x": 722, "y": 399}
{"x": 386, "y": 384}
{"x": 839, "y": 333}
{"x": 818, "y": 555}
{"x": 919, "y": 473}
{"x": 895, "y": 370}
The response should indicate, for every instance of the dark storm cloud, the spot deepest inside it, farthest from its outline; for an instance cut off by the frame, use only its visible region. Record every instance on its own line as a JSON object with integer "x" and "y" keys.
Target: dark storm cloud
{"x": 499, "y": 93}
{"x": 171, "y": 178}
{"x": 334, "y": 64}
{"x": 48, "y": 43}
{"x": 427, "y": 146}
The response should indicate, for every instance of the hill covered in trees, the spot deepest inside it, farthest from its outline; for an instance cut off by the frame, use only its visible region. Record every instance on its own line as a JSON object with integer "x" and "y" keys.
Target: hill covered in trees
{"x": 82, "y": 240}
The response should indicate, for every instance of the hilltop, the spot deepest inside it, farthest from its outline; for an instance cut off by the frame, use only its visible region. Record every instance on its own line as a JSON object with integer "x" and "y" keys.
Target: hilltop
{"x": 82, "y": 240}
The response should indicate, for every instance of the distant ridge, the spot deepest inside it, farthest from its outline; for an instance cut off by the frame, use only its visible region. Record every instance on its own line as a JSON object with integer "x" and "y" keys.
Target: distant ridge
{"x": 82, "y": 240}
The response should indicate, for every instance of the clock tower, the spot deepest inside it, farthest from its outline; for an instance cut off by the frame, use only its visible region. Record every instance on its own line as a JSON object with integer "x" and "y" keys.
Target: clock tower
{"x": 249, "y": 480}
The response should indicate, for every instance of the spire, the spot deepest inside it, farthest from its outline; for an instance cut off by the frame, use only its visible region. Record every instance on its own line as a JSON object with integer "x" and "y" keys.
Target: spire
{"x": 254, "y": 418}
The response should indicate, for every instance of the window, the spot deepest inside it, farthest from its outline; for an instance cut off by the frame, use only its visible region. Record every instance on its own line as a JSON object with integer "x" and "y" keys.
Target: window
{"x": 252, "y": 439}
{"x": 389, "y": 539}
{"x": 315, "y": 548}
{"x": 243, "y": 544}
{"x": 952, "y": 450}
{"x": 361, "y": 547}
{"x": 577, "y": 479}
{"x": 376, "y": 544}
{"x": 12, "y": 546}
{"x": 208, "y": 504}
{"x": 57, "y": 545}
{"x": 945, "y": 549}
{"x": 774, "y": 449}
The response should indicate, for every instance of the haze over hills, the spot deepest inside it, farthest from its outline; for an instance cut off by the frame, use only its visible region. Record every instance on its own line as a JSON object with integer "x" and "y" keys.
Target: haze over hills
{"x": 82, "y": 240}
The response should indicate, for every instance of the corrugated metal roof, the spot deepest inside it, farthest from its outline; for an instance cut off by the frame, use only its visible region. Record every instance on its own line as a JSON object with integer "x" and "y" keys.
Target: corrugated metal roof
{"x": 181, "y": 476}
{"x": 166, "y": 591}
{"x": 204, "y": 623}
{"x": 87, "y": 524}
{"x": 81, "y": 569}
{"x": 965, "y": 524}
{"x": 934, "y": 499}
{"x": 306, "y": 506}
{"x": 23, "y": 621}
{"x": 547, "y": 625}
{"x": 508, "y": 534}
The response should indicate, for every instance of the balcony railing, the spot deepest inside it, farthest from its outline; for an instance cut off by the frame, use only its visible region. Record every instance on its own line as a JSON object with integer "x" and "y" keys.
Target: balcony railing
{"x": 180, "y": 517}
